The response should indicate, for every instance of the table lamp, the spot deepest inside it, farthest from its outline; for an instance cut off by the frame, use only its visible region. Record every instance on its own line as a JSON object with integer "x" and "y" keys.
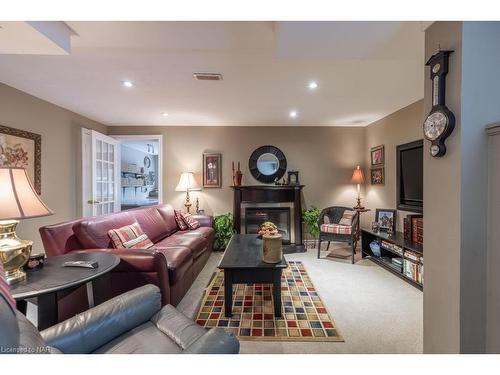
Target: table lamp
{"x": 18, "y": 200}
{"x": 358, "y": 178}
{"x": 187, "y": 183}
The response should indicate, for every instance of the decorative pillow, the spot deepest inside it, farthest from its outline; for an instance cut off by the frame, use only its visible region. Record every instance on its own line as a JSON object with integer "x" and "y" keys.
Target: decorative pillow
{"x": 5, "y": 289}
{"x": 191, "y": 222}
{"x": 326, "y": 219}
{"x": 179, "y": 218}
{"x": 347, "y": 217}
{"x": 130, "y": 237}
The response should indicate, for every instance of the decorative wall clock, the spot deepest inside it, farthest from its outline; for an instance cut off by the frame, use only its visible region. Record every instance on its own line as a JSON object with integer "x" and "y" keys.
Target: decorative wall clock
{"x": 440, "y": 122}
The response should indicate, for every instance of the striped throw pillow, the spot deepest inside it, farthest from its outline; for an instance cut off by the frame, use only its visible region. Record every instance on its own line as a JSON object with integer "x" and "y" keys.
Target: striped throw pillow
{"x": 130, "y": 237}
{"x": 191, "y": 222}
{"x": 5, "y": 289}
{"x": 179, "y": 218}
{"x": 347, "y": 217}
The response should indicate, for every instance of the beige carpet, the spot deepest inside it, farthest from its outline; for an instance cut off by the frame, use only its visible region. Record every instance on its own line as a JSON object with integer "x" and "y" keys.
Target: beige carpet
{"x": 376, "y": 311}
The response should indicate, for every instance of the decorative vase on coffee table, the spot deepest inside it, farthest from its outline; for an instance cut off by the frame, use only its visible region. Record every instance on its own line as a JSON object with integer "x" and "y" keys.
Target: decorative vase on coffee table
{"x": 272, "y": 248}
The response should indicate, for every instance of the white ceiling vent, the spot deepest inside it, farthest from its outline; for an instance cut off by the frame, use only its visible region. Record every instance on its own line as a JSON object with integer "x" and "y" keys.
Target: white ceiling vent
{"x": 207, "y": 76}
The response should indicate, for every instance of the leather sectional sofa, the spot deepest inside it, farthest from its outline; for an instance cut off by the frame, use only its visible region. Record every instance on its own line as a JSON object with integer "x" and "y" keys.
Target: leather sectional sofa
{"x": 177, "y": 258}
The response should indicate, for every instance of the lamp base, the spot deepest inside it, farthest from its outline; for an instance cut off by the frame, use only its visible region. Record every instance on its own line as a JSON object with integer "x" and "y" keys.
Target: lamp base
{"x": 358, "y": 206}
{"x": 14, "y": 252}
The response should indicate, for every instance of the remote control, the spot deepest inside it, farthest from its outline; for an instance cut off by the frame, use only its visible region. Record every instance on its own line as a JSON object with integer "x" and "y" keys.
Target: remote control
{"x": 81, "y": 264}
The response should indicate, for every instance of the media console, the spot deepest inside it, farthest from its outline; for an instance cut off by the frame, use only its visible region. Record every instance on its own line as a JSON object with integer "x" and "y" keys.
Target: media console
{"x": 398, "y": 255}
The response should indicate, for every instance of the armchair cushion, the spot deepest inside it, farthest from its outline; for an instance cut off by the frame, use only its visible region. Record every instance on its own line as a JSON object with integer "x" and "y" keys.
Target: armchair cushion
{"x": 86, "y": 332}
{"x": 336, "y": 228}
{"x": 347, "y": 217}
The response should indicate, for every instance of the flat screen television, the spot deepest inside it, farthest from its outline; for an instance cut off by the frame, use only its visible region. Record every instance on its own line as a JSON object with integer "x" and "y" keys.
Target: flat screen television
{"x": 410, "y": 176}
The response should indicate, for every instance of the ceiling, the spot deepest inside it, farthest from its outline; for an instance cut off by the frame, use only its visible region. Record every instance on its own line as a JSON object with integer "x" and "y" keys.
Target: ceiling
{"x": 365, "y": 71}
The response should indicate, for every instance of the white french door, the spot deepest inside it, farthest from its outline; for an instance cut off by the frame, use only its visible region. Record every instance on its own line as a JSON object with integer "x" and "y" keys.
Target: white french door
{"x": 100, "y": 174}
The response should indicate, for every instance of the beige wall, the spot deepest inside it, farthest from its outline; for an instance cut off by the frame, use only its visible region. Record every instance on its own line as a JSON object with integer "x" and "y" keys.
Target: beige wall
{"x": 399, "y": 127}
{"x": 442, "y": 189}
{"x": 324, "y": 156}
{"x": 60, "y": 131}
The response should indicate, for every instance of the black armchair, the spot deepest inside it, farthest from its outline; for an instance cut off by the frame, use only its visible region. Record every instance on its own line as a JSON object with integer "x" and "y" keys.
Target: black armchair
{"x": 133, "y": 322}
{"x": 331, "y": 231}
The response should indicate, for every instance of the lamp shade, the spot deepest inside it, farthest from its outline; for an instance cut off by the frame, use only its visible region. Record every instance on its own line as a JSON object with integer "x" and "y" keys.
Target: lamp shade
{"x": 18, "y": 198}
{"x": 357, "y": 176}
{"x": 187, "y": 182}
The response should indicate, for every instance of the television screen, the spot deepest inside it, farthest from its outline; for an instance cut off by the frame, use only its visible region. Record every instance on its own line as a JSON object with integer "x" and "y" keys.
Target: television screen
{"x": 410, "y": 176}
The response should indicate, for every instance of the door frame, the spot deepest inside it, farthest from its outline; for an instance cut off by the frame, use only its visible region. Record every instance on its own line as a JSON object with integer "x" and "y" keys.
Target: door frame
{"x": 143, "y": 137}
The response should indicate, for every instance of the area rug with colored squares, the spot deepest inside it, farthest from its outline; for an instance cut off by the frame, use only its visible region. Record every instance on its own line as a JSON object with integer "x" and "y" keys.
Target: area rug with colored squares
{"x": 304, "y": 315}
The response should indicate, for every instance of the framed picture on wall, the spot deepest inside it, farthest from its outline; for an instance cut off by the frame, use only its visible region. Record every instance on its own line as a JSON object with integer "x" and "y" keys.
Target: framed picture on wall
{"x": 377, "y": 176}
{"x": 377, "y": 156}
{"x": 212, "y": 170}
{"x": 386, "y": 219}
{"x": 22, "y": 149}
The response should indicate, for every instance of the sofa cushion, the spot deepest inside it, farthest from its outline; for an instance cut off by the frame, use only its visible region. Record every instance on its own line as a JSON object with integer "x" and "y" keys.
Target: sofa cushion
{"x": 179, "y": 261}
{"x": 93, "y": 232}
{"x": 130, "y": 237}
{"x": 152, "y": 223}
{"x": 179, "y": 218}
{"x": 196, "y": 244}
{"x": 206, "y": 232}
{"x": 167, "y": 213}
{"x": 190, "y": 221}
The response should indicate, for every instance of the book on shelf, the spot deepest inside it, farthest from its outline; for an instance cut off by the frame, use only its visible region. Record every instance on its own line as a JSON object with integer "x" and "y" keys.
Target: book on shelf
{"x": 414, "y": 271}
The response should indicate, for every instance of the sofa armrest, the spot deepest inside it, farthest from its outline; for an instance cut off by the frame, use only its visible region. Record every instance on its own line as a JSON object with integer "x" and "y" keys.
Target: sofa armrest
{"x": 204, "y": 220}
{"x": 88, "y": 331}
{"x": 215, "y": 341}
{"x": 138, "y": 260}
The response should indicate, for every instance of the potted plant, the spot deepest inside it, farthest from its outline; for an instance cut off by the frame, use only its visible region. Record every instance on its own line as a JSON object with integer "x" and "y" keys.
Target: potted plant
{"x": 310, "y": 218}
{"x": 224, "y": 229}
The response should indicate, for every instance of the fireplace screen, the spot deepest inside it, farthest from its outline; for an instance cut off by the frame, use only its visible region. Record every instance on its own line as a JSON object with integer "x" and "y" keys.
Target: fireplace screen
{"x": 280, "y": 216}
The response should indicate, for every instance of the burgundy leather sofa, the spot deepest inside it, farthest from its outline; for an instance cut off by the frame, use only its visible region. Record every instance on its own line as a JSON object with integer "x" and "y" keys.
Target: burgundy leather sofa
{"x": 173, "y": 264}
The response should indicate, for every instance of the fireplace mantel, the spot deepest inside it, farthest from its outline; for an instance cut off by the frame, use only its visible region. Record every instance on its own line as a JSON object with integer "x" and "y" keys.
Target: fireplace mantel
{"x": 269, "y": 194}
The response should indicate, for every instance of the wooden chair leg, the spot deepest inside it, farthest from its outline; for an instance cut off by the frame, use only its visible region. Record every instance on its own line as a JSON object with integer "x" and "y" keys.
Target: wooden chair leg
{"x": 353, "y": 252}
{"x": 328, "y": 246}
{"x": 319, "y": 248}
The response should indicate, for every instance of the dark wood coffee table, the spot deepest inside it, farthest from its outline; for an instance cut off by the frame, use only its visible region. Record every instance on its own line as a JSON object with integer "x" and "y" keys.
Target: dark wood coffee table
{"x": 242, "y": 263}
{"x": 54, "y": 280}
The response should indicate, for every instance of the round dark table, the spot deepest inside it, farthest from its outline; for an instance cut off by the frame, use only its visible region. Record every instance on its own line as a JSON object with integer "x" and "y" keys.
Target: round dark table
{"x": 45, "y": 284}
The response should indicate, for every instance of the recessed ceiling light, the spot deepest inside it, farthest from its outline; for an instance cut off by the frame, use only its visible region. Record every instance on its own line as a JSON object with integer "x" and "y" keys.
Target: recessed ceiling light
{"x": 164, "y": 114}
{"x": 127, "y": 83}
{"x": 313, "y": 85}
{"x": 293, "y": 114}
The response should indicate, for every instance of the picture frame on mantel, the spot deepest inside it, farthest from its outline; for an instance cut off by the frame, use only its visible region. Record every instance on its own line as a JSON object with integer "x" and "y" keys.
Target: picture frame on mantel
{"x": 22, "y": 149}
{"x": 212, "y": 170}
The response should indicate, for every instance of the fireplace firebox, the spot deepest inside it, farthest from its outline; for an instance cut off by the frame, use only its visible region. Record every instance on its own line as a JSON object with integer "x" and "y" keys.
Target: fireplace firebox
{"x": 279, "y": 204}
{"x": 254, "y": 216}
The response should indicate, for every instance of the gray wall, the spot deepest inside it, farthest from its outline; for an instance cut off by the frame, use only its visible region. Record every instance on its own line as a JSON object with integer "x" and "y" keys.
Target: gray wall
{"x": 442, "y": 206}
{"x": 61, "y": 155}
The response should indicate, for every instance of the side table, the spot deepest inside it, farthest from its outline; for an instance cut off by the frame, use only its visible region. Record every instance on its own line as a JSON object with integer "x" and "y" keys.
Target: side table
{"x": 53, "y": 278}
{"x": 359, "y": 211}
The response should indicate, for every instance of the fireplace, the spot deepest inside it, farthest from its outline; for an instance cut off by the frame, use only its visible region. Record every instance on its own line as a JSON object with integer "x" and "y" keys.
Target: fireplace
{"x": 276, "y": 203}
{"x": 281, "y": 214}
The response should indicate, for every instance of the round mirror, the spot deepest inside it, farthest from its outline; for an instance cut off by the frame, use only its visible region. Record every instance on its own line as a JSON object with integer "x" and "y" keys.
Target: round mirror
{"x": 267, "y": 163}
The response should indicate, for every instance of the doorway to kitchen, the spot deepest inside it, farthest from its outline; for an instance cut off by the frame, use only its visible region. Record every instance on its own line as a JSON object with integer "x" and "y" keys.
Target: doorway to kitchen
{"x": 140, "y": 170}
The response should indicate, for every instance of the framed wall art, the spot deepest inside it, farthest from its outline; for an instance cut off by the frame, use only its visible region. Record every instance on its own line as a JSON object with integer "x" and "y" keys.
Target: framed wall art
{"x": 377, "y": 176}
{"x": 212, "y": 170}
{"x": 22, "y": 149}
{"x": 377, "y": 156}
